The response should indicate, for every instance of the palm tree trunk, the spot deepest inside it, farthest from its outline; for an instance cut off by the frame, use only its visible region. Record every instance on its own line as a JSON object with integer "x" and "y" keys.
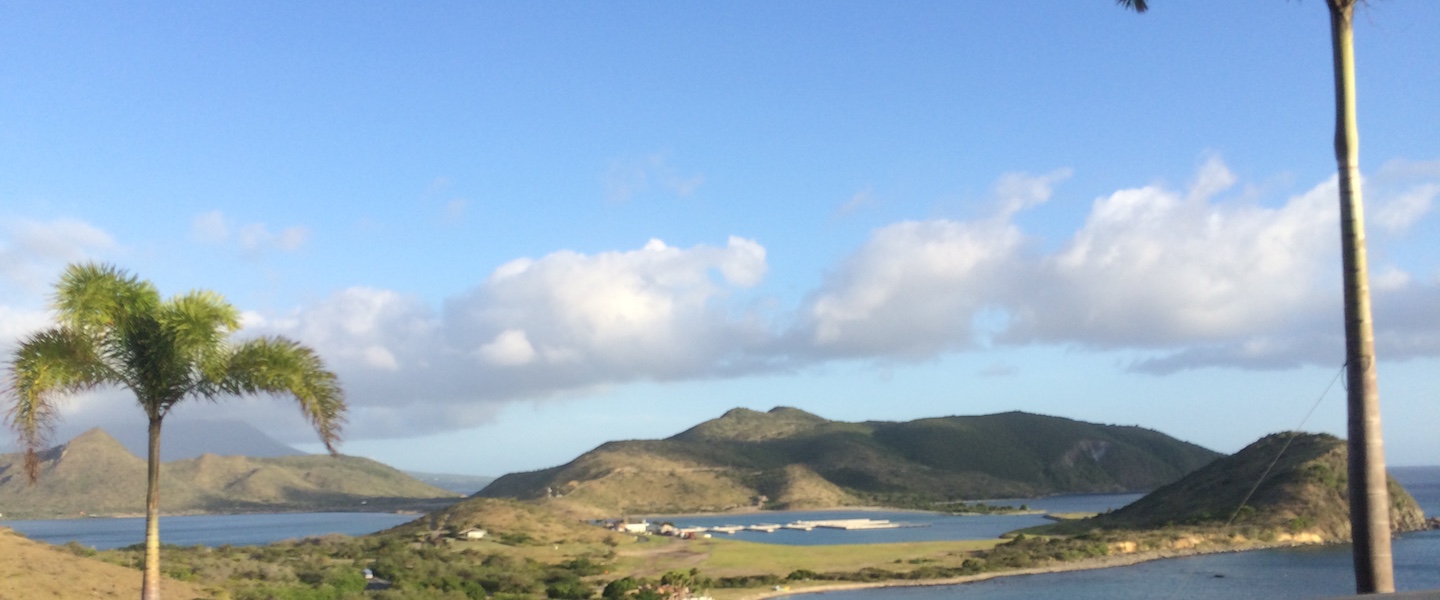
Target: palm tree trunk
{"x": 150, "y": 585}
{"x": 1369, "y": 498}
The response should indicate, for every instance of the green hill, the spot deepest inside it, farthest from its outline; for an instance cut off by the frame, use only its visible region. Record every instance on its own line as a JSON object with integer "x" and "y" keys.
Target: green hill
{"x": 93, "y": 474}
{"x": 788, "y": 458}
{"x": 1304, "y": 493}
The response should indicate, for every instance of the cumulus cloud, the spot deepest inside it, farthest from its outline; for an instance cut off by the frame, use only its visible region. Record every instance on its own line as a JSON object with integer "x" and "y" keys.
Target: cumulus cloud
{"x": 1177, "y": 278}
{"x": 31, "y": 252}
{"x": 535, "y": 328}
{"x": 1188, "y": 278}
{"x": 1398, "y": 214}
{"x": 1151, "y": 267}
{"x": 916, "y": 287}
{"x": 911, "y": 289}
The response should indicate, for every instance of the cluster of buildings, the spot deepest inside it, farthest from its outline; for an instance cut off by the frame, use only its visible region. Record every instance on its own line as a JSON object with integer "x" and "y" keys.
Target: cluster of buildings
{"x": 643, "y": 527}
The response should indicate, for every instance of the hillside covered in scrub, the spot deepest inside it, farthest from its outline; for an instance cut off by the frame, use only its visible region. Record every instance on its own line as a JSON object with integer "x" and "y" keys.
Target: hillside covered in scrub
{"x": 790, "y": 459}
{"x": 94, "y": 475}
{"x": 1305, "y": 495}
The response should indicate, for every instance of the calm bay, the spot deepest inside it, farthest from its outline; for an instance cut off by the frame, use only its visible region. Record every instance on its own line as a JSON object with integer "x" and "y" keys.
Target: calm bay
{"x": 206, "y": 530}
{"x": 1281, "y": 574}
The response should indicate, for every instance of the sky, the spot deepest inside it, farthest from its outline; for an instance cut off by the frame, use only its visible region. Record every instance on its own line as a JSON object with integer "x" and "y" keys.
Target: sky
{"x": 519, "y": 230}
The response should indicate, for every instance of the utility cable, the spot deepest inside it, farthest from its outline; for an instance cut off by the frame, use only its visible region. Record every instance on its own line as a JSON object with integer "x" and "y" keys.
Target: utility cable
{"x": 1293, "y": 434}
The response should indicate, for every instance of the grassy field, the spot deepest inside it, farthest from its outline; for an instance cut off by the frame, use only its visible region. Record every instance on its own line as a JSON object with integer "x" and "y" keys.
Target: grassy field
{"x": 729, "y": 558}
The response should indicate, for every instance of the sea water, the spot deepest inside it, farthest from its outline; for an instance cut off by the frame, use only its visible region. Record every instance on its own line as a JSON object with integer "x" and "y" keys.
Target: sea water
{"x": 207, "y": 530}
{"x": 1289, "y": 573}
{"x": 914, "y": 526}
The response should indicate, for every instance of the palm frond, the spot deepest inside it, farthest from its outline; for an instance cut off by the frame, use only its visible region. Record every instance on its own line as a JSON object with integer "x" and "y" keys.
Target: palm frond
{"x": 1138, "y": 6}
{"x": 49, "y": 364}
{"x": 93, "y": 297}
{"x": 280, "y": 366}
{"x": 198, "y": 325}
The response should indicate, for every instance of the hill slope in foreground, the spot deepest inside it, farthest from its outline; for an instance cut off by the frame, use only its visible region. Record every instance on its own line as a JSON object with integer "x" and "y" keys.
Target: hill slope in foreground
{"x": 30, "y": 569}
{"x": 1305, "y": 495}
{"x": 790, "y": 459}
{"x": 94, "y": 475}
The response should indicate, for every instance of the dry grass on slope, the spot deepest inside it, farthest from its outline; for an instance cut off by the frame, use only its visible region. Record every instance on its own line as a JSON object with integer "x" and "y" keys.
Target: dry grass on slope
{"x": 31, "y": 570}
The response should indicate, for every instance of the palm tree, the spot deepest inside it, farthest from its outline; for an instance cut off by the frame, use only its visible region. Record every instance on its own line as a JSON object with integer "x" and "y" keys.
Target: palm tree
{"x": 1369, "y": 496}
{"x": 115, "y": 330}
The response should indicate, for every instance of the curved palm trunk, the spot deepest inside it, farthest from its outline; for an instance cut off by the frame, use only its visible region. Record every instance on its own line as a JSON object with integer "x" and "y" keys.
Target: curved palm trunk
{"x": 150, "y": 585}
{"x": 1369, "y": 498}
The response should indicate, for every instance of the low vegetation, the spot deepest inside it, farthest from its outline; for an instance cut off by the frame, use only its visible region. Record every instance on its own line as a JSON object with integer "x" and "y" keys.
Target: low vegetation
{"x": 790, "y": 459}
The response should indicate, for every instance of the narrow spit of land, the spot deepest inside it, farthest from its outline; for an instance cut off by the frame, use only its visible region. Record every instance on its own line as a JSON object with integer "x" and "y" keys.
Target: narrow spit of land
{"x": 1104, "y": 562}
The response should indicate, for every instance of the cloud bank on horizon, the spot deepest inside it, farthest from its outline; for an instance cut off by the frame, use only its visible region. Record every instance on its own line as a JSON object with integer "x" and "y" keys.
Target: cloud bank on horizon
{"x": 1199, "y": 277}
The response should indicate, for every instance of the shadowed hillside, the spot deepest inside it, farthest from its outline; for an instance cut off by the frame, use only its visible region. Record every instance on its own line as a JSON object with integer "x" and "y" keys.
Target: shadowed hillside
{"x": 1305, "y": 493}
{"x": 788, "y": 458}
{"x": 94, "y": 475}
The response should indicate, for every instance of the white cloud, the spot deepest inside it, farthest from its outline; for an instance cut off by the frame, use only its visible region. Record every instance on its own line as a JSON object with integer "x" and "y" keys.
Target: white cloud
{"x": 629, "y": 177}
{"x": 253, "y": 238}
{"x": 1177, "y": 277}
{"x": 16, "y": 324}
{"x": 861, "y": 199}
{"x": 1151, "y": 268}
{"x": 535, "y": 328}
{"x": 32, "y": 252}
{"x": 911, "y": 289}
{"x": 1019, "y": 191}
{"x": 1190, "y": 280}
{"x": 1403, "y": 210}
{"x": 511, "y": 348}
{"x": 1212, "y": 178}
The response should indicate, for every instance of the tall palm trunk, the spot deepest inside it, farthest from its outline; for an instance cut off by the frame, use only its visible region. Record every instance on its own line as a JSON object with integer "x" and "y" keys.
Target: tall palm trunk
{"x": 1369, "y": 498}
{"x": 150, "y": 586}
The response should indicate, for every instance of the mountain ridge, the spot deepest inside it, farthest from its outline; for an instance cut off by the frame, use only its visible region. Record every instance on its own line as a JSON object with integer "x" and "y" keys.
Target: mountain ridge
{"x": 788, "y": 458}
{"x": 93, "y": 474}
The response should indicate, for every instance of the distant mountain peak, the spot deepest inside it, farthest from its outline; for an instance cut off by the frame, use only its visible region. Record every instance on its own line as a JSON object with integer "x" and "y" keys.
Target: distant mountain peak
{"x": 787, "y": 457}
{"x": 746, "y": 425}
{"x": 190, "y": 438}
{"x": 94, "y": 474}
{"x": 93, "y": 440}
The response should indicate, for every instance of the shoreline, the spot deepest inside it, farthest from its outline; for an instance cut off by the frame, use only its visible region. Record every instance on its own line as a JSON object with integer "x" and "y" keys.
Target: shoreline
{"x": 756, "y": 511}
{"x": 1090, "y": 564}
{"x": 416, "y": 511}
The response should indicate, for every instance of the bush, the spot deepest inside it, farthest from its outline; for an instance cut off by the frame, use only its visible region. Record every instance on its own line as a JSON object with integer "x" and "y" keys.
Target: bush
{"x": 620, "y": 587}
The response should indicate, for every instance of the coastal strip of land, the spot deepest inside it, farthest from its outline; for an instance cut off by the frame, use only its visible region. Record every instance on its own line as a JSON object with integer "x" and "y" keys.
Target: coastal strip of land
{"x": 1104, "y": 562}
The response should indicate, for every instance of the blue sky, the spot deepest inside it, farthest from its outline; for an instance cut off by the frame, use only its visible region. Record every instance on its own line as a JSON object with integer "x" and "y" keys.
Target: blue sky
{"x": 518, "y": 230}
